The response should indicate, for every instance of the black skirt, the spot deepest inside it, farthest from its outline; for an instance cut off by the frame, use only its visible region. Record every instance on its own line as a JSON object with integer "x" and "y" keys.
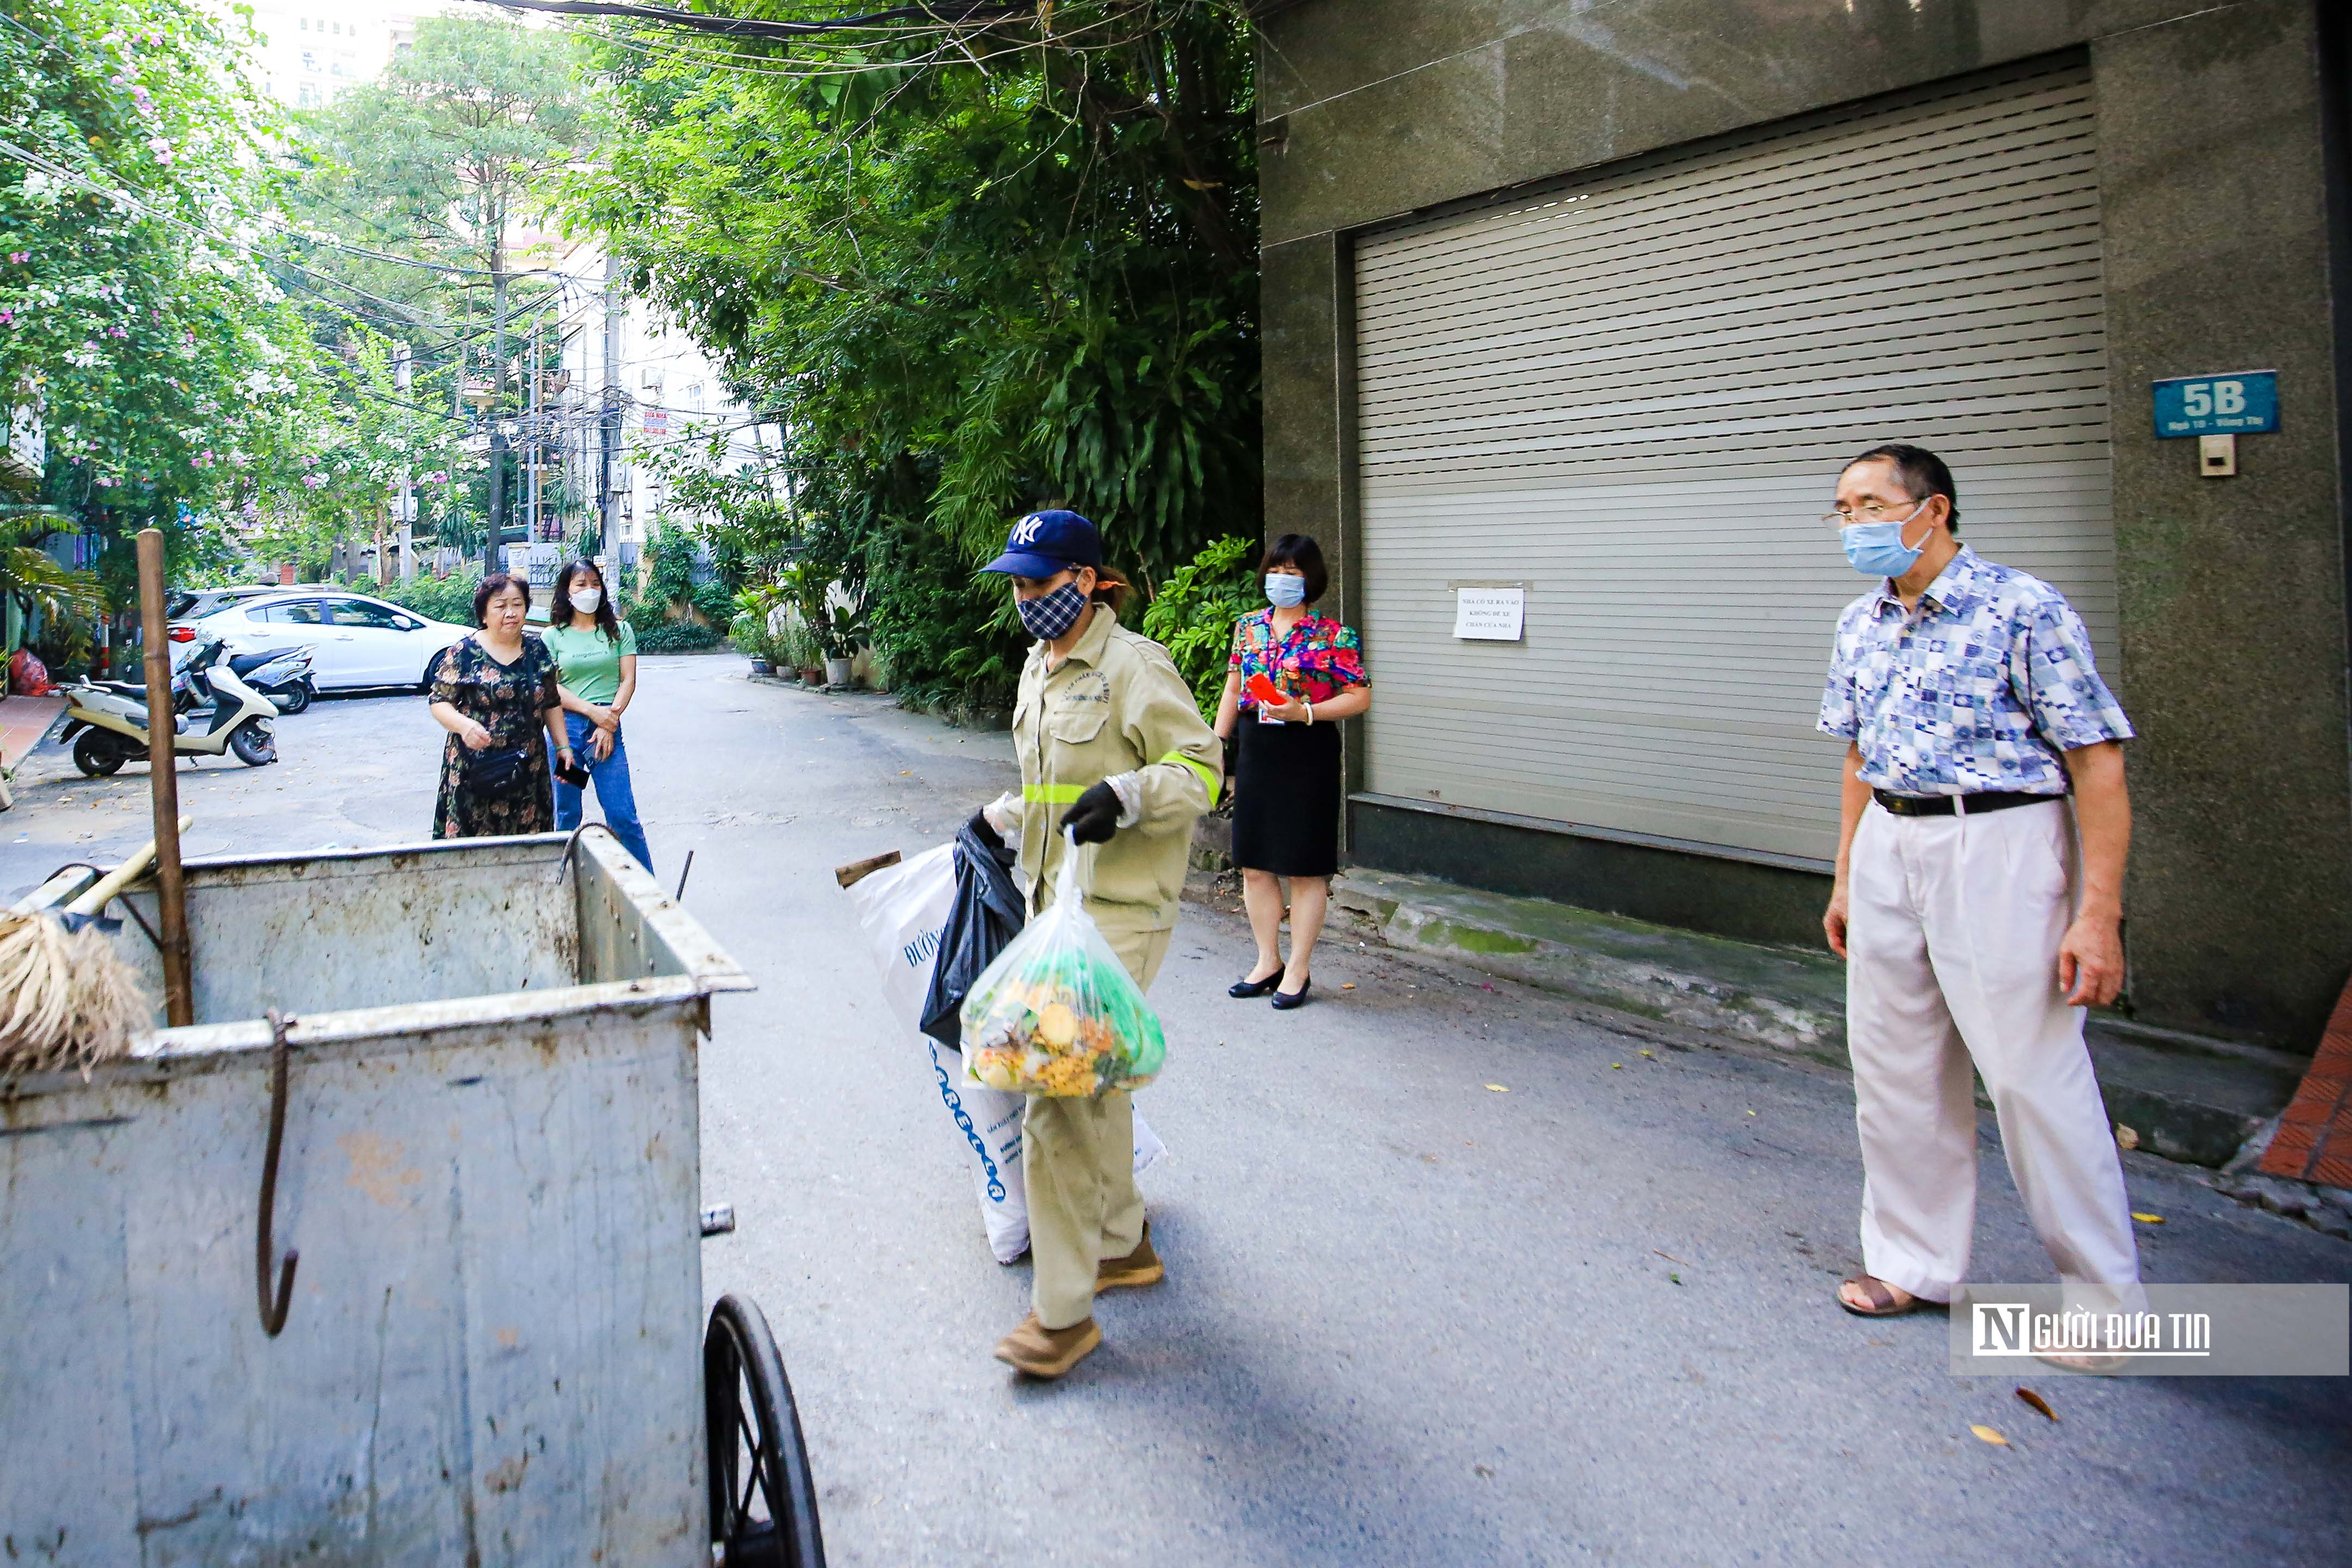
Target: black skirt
{"x": 1287, "y": 797}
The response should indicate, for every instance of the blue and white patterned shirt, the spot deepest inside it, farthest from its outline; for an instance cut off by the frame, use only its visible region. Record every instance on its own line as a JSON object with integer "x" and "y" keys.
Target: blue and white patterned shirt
{"x": 1980, "y": 690}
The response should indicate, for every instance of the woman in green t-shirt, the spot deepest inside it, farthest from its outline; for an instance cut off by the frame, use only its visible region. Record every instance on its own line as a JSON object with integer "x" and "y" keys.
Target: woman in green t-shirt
{"x": 596, "y": 660}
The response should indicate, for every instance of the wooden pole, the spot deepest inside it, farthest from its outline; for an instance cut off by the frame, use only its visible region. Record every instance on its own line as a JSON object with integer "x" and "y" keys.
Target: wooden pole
{"x": 164, "y": 783}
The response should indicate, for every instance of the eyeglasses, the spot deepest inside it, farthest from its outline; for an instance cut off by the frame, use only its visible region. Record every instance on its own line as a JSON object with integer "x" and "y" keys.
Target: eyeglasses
{"x": 1870, "y": 512}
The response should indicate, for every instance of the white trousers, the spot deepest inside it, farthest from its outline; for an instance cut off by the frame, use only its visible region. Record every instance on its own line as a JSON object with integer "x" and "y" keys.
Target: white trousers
{"x": 1952, "y": 935}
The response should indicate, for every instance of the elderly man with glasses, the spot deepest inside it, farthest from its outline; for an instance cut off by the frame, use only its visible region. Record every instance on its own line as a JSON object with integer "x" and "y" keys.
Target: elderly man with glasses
{"x": 1973, "y": 926}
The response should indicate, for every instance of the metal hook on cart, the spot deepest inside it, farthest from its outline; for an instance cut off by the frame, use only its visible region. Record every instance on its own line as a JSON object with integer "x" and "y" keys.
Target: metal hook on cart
{"x": 563, "y": 860}
{"x": 273, "y": 1318}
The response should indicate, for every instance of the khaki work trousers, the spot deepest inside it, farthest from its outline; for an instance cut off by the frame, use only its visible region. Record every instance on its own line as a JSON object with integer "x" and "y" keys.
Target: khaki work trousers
{"x": 1077, "y": 1160}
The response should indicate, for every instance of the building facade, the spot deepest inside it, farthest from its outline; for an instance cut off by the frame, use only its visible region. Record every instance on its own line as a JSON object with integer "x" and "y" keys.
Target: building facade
{"x": 310, "y": 54}
{"x": 1573, "y": 312}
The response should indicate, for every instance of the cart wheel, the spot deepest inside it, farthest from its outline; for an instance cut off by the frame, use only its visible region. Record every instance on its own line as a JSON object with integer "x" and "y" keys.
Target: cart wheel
{"x": 762, "y": 1500}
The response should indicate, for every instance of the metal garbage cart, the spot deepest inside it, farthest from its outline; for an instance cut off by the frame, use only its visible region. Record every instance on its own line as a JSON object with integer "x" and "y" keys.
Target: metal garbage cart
{"x": 475, "y": 1117}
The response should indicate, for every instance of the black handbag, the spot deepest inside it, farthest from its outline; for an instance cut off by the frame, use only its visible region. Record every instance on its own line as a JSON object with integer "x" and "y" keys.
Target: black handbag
{"x": 500, "y": 773}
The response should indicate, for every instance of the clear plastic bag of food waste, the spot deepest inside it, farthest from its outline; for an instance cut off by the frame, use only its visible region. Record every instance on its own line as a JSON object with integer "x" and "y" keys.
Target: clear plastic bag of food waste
{"x": 1057, "y": 1013}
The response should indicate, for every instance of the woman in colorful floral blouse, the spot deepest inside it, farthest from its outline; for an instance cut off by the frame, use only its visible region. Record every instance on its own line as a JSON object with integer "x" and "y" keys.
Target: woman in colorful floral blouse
{"x": 1287, "y": 784}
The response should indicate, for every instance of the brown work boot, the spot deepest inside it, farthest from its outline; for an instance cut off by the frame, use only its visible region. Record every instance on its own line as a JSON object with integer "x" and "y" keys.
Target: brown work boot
{"x": 1137, "y": 1269}
{"x": 1047, "y": 1353}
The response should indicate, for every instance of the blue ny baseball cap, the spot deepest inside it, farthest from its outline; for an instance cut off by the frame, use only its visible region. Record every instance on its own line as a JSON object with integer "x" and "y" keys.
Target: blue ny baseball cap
{"x": 1044, "y": 544}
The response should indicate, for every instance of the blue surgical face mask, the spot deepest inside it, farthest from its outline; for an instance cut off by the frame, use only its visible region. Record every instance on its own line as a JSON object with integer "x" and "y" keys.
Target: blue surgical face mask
{"x": 1285, "y": 588}
{"x": 1877, "y": 550}
{"x": 1049, "y": 615}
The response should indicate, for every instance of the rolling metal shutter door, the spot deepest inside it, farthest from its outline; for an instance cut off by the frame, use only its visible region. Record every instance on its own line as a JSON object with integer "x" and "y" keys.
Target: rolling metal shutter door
{"x": 1634, "y": 395}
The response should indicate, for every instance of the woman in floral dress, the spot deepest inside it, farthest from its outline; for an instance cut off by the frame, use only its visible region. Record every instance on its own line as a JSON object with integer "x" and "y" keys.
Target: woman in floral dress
{"x": 1286, "y": 783}
{"x": 496, "y": 694}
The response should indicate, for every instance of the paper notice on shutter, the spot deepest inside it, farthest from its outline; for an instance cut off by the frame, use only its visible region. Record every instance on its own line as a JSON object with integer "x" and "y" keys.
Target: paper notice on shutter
{"x": 1489, "y": 614}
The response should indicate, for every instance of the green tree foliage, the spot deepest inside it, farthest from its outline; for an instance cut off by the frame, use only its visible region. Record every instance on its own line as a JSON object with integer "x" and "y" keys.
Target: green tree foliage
{"x": 441, "y": 158}
{"x": 419, "y": 187}
{"x": 356, "y": 435}
{"x": 449, "y": 599}
{"x": 135, "y": 315}
{"x": 981, "y": 274}
{"x": 1193, "y": 613}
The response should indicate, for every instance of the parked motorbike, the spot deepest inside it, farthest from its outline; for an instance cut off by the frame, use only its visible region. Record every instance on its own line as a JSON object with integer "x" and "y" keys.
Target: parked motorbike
{"x": 106, "y": 721}
{"x": 283, "y": 676}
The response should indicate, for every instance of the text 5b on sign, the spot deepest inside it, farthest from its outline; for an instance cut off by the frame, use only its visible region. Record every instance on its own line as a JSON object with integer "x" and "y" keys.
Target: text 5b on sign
{"x": 2239, "y": 403}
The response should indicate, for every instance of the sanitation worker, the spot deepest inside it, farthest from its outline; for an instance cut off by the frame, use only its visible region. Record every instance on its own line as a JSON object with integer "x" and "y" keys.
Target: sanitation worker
{"x": 1113, "y": 748}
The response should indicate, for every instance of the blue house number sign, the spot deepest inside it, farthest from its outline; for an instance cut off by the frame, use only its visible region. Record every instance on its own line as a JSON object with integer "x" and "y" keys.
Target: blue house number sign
{"x": 2238, "y": 404}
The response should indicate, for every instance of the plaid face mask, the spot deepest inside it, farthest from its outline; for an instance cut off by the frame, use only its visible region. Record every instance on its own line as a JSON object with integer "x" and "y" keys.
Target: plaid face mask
{"x": 1049, "y": 615}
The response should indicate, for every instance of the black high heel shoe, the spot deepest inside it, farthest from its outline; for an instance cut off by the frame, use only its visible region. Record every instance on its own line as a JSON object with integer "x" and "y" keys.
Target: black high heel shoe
{"x": 1242, "y": 990}
{"x": 1286, "y": 1001}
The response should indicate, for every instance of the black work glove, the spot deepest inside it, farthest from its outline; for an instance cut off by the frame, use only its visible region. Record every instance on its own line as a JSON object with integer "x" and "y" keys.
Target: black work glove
{"x": 1095, "y": 817}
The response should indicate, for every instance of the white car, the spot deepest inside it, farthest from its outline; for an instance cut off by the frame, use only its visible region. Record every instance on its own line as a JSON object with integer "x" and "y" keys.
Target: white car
{"x": 355, "y": 642}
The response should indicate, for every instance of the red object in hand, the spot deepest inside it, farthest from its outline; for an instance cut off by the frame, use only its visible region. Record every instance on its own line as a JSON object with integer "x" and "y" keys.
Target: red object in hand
{"x": 1264, "y": 691}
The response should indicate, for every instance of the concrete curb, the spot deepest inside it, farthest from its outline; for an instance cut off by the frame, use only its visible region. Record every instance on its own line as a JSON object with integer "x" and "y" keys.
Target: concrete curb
{"x": 1791, "y": 1001}
{"x": 2184, "y": 1097}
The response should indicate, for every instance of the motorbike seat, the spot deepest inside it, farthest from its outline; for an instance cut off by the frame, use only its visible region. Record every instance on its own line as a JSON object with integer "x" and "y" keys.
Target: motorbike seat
{"x": 245, "y": 664}
{"x": 123, "y": 688}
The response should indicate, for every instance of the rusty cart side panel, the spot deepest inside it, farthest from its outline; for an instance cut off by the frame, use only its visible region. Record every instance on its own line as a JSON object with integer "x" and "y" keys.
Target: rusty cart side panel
{"x": 493, "y": 1353}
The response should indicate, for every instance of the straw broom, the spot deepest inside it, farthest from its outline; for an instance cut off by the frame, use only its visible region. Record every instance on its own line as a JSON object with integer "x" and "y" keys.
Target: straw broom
{"x": 67, "y": 1000}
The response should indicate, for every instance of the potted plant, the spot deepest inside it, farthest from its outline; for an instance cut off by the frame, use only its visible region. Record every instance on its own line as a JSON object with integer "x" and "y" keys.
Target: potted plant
{"x": 802, "y": 587}
{"x": 751, "y": 640}
{"x": 840, "y": 631}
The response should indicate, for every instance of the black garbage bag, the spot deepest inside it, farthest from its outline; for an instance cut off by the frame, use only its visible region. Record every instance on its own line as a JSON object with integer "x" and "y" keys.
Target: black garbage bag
{"x": 987, "y": 913}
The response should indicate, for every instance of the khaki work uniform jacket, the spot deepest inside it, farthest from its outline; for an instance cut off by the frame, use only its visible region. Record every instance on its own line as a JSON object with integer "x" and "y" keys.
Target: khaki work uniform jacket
{"x": 1116, "y": 705}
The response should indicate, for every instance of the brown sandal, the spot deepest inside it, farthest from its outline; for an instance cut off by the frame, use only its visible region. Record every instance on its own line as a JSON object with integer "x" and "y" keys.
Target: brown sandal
{"x": 1882, "y": 1299}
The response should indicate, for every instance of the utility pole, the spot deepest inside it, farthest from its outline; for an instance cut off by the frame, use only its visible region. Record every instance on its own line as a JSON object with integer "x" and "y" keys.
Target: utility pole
{"x": 533, "y": 403}
{"x": 608, "y": 493}
{"x": 404, "y": 365}
{"x": 498, "y": 398}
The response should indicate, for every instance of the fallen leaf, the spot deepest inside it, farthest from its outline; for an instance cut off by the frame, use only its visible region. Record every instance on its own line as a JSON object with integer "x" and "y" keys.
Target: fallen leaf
{"x": 1677, "y": 1278}
{"x": 1349, "y": 985}
{"x": 2039, "y": 1403}
{"x": 1751, "y": 1113}
{"x": 1646, "y": 1053}
{"x": 1615, "y": 1066}
{"x": 1498, "y": 1089}
{"x": 2126, "y": 1137}
{"x": 1989, "y": 1436}
{"x": 2148, "y": 1219}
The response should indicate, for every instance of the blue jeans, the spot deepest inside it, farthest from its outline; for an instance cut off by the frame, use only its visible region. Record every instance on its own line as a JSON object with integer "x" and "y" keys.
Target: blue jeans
{"x": 612, "y": 792}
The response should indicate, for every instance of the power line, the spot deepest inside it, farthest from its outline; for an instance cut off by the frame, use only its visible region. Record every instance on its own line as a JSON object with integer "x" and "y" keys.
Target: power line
{"x": 677, "y": 51}
{"x": 942, "y": 14}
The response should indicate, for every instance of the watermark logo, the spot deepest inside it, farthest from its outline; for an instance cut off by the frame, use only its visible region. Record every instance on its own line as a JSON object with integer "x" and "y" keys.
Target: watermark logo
{"x": 2195, "y": 1331}
{"x": 2015, "y": 1329}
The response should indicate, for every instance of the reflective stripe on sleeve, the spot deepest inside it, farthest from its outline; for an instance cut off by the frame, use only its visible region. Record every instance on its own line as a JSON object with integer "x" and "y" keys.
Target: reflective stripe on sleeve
{"x": 1052, "y": 794}
{"x": 1208, "y": 774}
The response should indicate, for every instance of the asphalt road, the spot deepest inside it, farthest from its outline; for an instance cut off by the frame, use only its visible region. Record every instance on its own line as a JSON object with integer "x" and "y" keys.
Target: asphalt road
{"x": 1411, "y": 1317}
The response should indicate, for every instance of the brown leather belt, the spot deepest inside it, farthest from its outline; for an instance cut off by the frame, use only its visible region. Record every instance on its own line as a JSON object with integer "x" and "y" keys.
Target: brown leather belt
{"x": 1941, "y": 805}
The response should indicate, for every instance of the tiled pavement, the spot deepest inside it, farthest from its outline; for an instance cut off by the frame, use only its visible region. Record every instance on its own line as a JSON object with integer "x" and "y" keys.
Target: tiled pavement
{"x": 2314, "y": 1135}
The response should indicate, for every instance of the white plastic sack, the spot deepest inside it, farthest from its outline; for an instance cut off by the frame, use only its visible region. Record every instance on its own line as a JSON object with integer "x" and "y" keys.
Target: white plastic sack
{"x": 902, "y": 909}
